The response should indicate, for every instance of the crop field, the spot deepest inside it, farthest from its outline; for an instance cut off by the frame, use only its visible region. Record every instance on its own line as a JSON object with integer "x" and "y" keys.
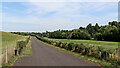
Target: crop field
{"x": 107, "y": 44}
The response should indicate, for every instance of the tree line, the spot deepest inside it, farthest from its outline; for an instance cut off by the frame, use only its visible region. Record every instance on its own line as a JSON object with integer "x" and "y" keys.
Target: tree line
{"x": 110, "y": 32}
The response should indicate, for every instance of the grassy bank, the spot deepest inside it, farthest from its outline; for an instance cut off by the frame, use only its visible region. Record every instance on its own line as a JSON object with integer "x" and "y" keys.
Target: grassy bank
{"x": 10, "y": 43}
{"x": 9, "y": 38}
{"x": 26, "y": 52}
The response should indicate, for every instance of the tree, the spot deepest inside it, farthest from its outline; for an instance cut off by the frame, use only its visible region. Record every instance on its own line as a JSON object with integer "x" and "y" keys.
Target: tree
{"x": 90, "y": 29}
{"x": 80, "y": 34}
{"x": 115, "y": 23}
{"x": 96, "y": 27}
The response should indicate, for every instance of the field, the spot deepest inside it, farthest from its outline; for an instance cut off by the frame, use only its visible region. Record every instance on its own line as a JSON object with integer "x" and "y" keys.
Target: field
{"x": 9, "y": 39}
{"x": 106, "y": 44}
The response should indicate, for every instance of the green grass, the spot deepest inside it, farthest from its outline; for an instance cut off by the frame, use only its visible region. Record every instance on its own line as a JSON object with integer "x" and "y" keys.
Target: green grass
{"x": 106, "y": 44}
{"x": 10, "y": 40}
{"x": 28, "y": 50}
{"x": 11, "y": 61}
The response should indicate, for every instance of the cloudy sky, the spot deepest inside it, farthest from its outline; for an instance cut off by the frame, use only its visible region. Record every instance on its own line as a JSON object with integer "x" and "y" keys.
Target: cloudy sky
{"x": 42, "y": 16}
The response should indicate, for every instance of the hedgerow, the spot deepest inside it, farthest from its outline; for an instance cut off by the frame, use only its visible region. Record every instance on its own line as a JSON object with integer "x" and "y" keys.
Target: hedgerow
{"x": 21, "y": 44}
{"x": 98, "y": 52}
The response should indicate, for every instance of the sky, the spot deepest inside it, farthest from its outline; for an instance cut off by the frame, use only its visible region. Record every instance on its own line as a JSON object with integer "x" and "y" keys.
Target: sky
{"x": 50, "y": 16}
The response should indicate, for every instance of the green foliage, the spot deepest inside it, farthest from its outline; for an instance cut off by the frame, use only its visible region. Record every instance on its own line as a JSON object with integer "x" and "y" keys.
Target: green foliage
{"x": 109, "y": 32}
{"x": 57, "y": 34}
{"x": 63, "y": 44}
{"x": 22, "y": 44}
{"x": 79, "y": 34}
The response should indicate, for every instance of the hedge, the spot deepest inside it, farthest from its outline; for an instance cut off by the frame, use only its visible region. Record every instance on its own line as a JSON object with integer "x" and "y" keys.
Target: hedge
{"x": 20, "y": 45}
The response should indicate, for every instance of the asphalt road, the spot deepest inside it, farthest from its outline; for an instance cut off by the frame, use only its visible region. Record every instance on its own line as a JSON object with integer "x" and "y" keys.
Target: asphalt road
{"x": 44, "y": 55}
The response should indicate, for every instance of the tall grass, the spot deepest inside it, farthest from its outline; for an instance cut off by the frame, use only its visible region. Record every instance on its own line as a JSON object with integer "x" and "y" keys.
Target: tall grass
{"x": 10, "y": 40}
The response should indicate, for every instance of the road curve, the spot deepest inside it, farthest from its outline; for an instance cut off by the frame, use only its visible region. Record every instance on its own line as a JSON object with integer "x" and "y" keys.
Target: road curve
{"x": 44, "y": 55}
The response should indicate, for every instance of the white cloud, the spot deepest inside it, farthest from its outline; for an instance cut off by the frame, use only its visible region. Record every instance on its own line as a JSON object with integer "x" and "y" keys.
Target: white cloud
{"x": 5, "y": 7}
{"x": 68, "y": 8}
{"x": 49, "y": 24}
{"x": 62, "y": 19}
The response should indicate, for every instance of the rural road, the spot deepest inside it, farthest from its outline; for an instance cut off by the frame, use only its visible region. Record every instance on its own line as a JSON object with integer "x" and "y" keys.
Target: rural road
{"x": 44, "y": 55}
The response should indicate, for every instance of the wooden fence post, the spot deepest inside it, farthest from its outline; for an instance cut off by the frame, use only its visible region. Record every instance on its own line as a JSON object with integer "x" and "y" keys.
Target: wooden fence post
{"x": 0, "y": 60}
{"x": 6, "y": 50}
{"x": 14, "y": 49}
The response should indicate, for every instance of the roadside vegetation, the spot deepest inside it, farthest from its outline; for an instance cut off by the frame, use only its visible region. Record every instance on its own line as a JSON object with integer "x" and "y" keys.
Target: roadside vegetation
{"x": 103, "y": 62}
{"x": 14, "y": 44}
{"x": 91, "y": 52}
{"x": 26, "y": 52}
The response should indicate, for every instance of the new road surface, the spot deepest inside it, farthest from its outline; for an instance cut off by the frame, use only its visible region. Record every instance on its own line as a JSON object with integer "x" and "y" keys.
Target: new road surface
{"x": 44, "y": 55}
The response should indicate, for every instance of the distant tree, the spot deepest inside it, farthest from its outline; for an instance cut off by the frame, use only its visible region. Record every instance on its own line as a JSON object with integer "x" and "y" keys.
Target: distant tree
{"x": 81, "y": 28}
{"x": 90, "y": 29}
{"x": 96, "y": 27}
{"x": 115, "y": 23}
{"x": 79, "y": 34}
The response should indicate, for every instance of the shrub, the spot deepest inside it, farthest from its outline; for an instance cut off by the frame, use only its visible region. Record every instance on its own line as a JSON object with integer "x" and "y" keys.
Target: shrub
{"x": 70, "y": 46}
{"x": 57, "y": 43}
{"x": 22, "y": 44}
{"x": 66, "y": 46}
{"x": 74, "y": 46}
{"x": 63, "y": 44}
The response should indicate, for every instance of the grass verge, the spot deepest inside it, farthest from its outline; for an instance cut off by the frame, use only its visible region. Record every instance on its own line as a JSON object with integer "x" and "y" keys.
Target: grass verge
{"x": 28, "y": 50}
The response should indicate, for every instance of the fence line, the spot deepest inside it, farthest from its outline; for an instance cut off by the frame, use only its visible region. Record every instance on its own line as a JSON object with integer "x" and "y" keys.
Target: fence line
{"x": 0, "y": 60}
{"x": 6, "y": 56}
{"x": 8, "y": 52}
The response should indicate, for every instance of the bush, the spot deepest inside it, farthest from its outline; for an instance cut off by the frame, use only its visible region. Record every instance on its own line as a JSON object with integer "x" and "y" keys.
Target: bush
{"x": 70, "y": 46}
{"x": 63, "y": 44}
{"x": 22, "y": 44}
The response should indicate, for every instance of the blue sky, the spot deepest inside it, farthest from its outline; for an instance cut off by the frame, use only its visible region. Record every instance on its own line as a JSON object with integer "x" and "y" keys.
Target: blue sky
{"x": 50, "y": 16}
